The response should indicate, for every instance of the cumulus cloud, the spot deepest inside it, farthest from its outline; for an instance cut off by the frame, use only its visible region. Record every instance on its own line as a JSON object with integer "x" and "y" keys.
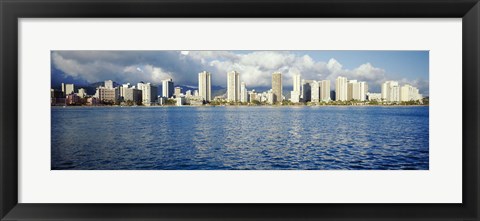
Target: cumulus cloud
{"x": 255, "y": 67}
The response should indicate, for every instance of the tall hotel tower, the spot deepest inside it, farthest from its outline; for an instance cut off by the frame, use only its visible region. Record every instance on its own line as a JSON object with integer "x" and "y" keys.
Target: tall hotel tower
{"x": 277, "y": 87}
{"x": 325, "y": 90}
{"x": 233, "y": 86}
{"x": 295, "y": 94}
{"x": 341, "y": 88}
{"x": 205, "y": 85}
{"x": 167, "y": 88}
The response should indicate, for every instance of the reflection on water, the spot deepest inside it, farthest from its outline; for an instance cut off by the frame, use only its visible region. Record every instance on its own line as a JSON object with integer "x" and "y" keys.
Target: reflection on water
{"x": 240, "y": 138}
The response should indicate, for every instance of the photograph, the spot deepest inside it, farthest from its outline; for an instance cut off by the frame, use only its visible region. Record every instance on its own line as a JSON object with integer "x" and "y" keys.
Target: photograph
{"x": 239, "y": 110}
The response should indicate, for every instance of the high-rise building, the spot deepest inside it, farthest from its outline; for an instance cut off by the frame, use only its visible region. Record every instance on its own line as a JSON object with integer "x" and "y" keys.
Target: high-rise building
{"x": 277, "y": 88}
{"x": 409, "y": 93}
{"x": 296, "y": 93}
{"x": 68, "y": 89}
{"x": 178, "y": 91}
{"x": 315, "y": 91}
{"x": 297, "y": 82}
{"x": 149, "y": 93}
{"x": 361, "y": 91}
{"x": 233, "y": 86}
{"x": 341, "y": 88}
{"x": 107, "y": 94}
{"x": 243, "y": 93}
{"x": 391, "y": 91}
{"x": 350, "y": 85}
{"x": 306, "y": 89}
{"x": 325, "y": 90}
{"x": 109, "y": 84}
{"x": 132, "y": 94}
{"x": 357, "y": 90}
{"x": 205, "y": 85}
{"x": 167, "y": 88}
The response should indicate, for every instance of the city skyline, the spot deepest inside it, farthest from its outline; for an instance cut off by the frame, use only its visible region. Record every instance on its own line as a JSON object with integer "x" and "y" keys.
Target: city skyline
{"x": 256, "y": 67}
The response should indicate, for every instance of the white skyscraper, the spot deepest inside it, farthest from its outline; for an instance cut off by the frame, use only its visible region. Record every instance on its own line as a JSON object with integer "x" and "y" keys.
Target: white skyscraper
{"x": 149, "y": 93}
{"x": 243, "y": 93}
{"x": 205, "y": 85}
{"x": 325, "y": 90}
{"x": 409, "y": 93}
{"x": 391, "y": 91}
{"x": 357, "y": 90}
{"x": 167, "y": 88}
{"x": 233, "y": 86}
{"x": 68, "y": 89}
{"x": 296, "y": 93}
{"x": 277, "y": 87}
{"x": 341, "y": 88}
{"x": 315, "y": 91}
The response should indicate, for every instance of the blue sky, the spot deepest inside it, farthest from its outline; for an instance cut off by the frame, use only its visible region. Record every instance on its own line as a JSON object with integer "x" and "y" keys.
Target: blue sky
{"x": 255, "y": 67}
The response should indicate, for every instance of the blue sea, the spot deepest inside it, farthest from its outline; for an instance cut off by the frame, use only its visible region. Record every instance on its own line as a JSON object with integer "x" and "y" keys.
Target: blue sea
{"x": 240, "y": 138}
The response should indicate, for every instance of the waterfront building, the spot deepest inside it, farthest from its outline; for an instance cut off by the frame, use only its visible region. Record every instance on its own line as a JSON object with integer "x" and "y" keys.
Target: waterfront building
{"x": 167, "y": 88}
{"x": 122, "y": 90}
{"x": 325, "y": 90}
{"x": 350, "y": 85}
{"x": 269, "y": 97}
{"x": 296, "y": 93}
{"x": 315, "y": 91}
{"x": 205, "y": 86}
{"x": 391, "y": 91}
{"x": 374, "y": 96}
{"x": 108, "y": 84}
{"x": 149, "y": 93}
{"x": 409, "y": 93}
{"x": 82, "y": 93}
{"x": 132, "y": 94}
{"x": 277, "y": 87}
{"x": 233, "y": 86}
{"x": 72, "y": 99}
{"x": 107, "y": 94}
{"x": 68, "y": 89}
{"x": 341, "y": 88}
{"x": 162, "y": 100}
{"x": 295, "y": 96}
{"x": 188, "y": 93}
{"x": 252, "y": 95}
{"x": 195, "y": 93}
{"x": 180, "y": 101}
{"x": 306, "y": 90}
{"x": 243, "y": 93}
{"x": 178, "y": 91}
{"x": 92, "y": 101}
{"x": 357, "y": 90}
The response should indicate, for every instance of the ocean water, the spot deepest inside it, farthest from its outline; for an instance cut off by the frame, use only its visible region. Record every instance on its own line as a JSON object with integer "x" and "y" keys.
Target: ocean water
{"x": 240, "y": 138}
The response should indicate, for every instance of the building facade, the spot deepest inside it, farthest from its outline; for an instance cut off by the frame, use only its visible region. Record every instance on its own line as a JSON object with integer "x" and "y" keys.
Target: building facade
{"x": 341, "y": 88}
{"x": 316, "y": 91}
{"x": 233, "y": 86}
{"x": 325, "y": 90}
{"x": 391, "y": 91}
{"x": 149, "y": 93}
{"x": 243, "y": 93}
{"x": 167, "y": 88}
{"x": 205, "y": 86}
{"x": 277, "y": 87}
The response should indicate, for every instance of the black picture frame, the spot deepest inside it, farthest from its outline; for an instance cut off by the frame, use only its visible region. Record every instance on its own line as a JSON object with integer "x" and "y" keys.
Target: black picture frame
{"x": 12, "y": 10}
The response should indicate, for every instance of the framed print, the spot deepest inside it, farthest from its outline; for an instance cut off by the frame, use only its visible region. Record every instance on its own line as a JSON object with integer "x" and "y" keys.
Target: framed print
{"x": 163, "y": 110}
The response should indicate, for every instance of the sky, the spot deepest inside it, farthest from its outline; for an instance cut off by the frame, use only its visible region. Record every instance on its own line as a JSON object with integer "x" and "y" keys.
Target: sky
{"x": 255, "y": 67}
